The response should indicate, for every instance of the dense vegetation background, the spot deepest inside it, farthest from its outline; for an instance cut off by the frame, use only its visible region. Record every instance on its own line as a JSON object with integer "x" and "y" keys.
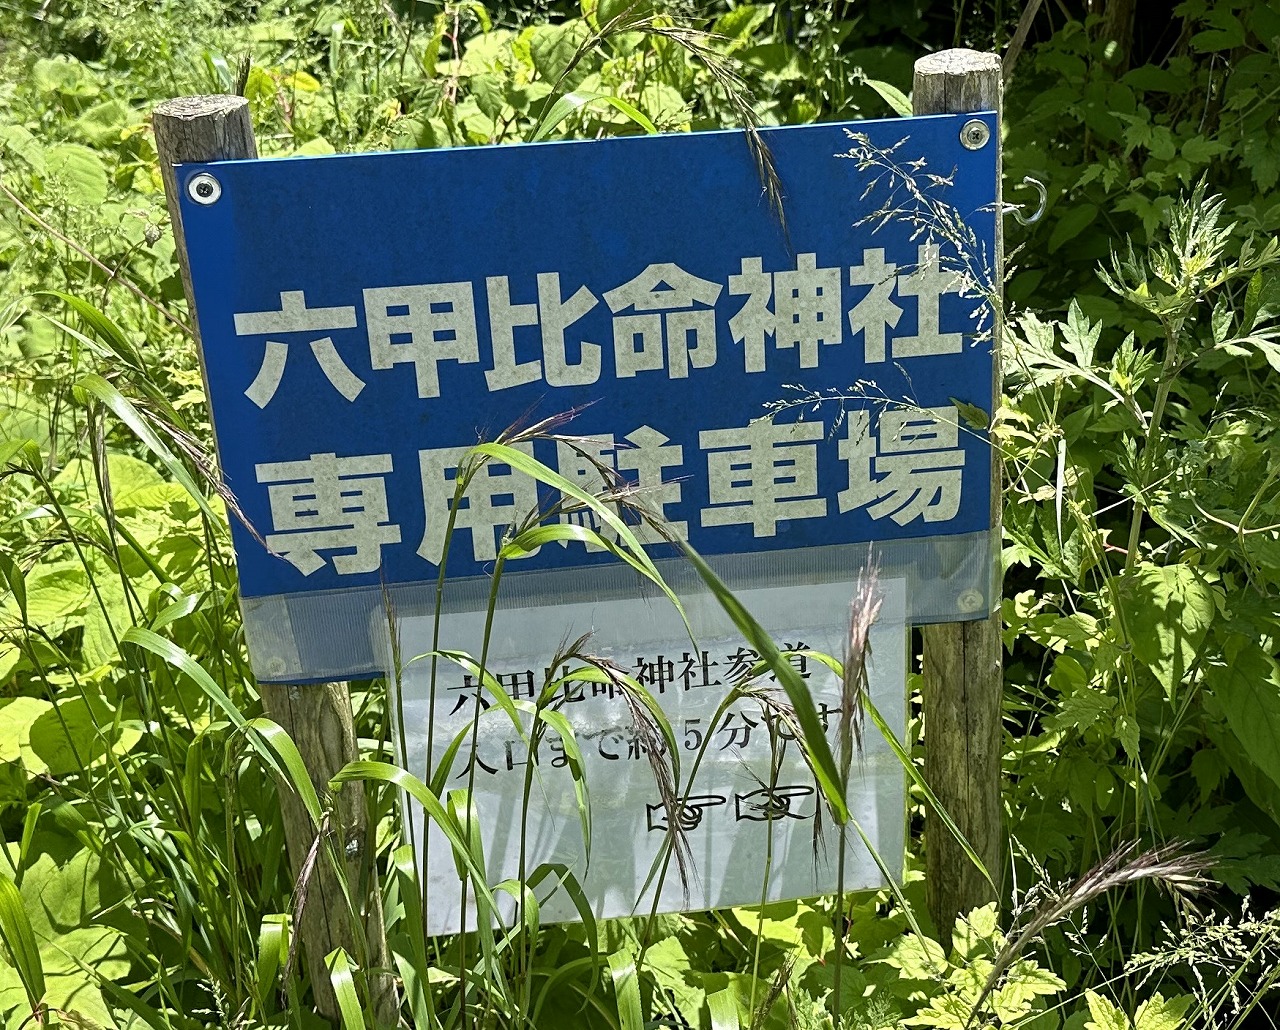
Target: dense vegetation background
{"x": 144, "y": 880}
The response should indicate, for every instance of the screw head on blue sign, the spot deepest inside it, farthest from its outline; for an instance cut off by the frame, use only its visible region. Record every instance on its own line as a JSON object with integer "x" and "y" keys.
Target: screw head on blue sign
{"x": 770, "y": 382}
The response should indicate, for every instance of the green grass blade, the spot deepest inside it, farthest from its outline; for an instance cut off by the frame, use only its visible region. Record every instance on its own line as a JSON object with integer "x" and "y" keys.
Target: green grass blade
{"x": 577, "y": 769}
{"x": 579, "y": 99}
{"x": 904, "y": 759}
{"x": 382, "y": 772}
{"x": 815, "y": 740}
{"x": 280, "y": 742}
{"x": 129, "y": 415}
{"x": 273, "y": 947}
{"x": 532, "y": 467}
{"x": 15, "y": 927}
{"x": 626, "y": 990}
{"x": 344, "y": 988}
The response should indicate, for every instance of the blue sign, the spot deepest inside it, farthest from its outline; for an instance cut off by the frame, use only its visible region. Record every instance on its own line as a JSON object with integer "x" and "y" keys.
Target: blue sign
{"x": 769, "y": 385}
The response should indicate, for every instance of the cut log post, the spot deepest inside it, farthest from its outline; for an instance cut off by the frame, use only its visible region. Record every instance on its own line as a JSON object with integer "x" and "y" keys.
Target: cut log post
{"x": 963, "y": 669}
{"x": 317, "y": 716}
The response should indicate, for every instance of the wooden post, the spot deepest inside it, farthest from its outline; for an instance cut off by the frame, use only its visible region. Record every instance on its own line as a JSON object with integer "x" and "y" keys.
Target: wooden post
{"x": 963, "y": 670}
{"x": 317, "y": 716}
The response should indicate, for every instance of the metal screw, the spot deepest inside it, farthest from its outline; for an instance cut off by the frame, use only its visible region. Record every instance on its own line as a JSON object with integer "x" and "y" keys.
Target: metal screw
{"x": 970, "y": 600}
{"x": 203, "y": 188}
{"x": 974, "y": 134}
{"x": 275, "y": 666}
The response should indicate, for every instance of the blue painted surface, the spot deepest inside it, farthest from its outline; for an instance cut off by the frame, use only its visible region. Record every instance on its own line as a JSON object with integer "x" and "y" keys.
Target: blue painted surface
{"x": 598, "y": 214}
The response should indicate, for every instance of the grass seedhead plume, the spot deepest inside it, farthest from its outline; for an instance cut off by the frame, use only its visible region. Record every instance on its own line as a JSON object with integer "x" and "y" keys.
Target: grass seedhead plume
{"x": 658, "y": 747}
{"x": 1168, "y": 864}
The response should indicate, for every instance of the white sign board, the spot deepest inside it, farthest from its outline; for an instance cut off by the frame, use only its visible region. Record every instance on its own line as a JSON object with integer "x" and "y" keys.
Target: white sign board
{"x": 734, "y": 805}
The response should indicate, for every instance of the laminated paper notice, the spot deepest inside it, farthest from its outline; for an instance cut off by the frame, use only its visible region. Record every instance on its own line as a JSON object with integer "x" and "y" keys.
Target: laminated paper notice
{"x": 752, "y": 812}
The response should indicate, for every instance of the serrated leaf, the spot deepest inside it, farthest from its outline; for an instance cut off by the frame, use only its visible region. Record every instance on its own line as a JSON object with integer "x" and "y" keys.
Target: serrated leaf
{"x": 1166, "y": 613}
{"x": 1158, "y": 1014}
{"x": 1247, "y": 686}
{"x": 553, "y": 47}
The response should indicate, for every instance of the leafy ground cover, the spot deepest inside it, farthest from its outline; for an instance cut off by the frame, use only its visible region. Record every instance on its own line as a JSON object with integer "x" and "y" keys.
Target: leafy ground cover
{"x": 145, "y": 881}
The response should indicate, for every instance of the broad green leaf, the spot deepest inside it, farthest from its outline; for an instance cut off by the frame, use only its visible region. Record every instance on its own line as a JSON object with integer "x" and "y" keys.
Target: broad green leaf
{"x": 80, "y": 172}
{"x": 553, "y": 47}
{"x": 627, "y": 10}
{"x": 76, "y": 732}
{"x": 1074, "y": 220}
{"x": 102, "y": 124}
{"x": 16, "y": 716}
{"x": 63, "y": 75}
{"x": 57, "y": 594}
{"x": 723, "y": 1009}
{"x": 1158, "y": 1014}
{"x": 127, "y": 413}
{"x": 916, "y": 957}
{"x": 1166, "y": 613}
{"x": 1104, "y": 1015}
{"x": 1248, "y": 688}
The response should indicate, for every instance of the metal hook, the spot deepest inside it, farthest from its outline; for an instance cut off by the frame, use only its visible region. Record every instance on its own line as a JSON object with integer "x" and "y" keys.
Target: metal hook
{"x": 1016, "y": 209}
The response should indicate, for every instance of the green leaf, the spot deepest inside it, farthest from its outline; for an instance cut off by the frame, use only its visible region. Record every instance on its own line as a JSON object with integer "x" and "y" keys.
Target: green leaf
{"x": 630, "y": 10}
{"x": 15, "y": 927}
{"x": 63, "y": 75}
{"x": 553, "y": 47}
{"x": 579, "y": 100}
{"x": 814, "y": 739}
{"x": 1104, "y": 1015}
{"x": 1071, "y": 224}
{"x": 128, "y": 414}
{"x": 344, "y": 988}
{"x": 76, "y": 732}
{"x": 1166, "y": 613}
{"x": 1248, "y": 688}
{"x": 1080, "y": 336}
{"x": 80, "y": 171}
{"x": 894, "y": 97}
{"x": 626, "y": 990}
{"x": 723, "y": 1009}
{"x": 1157, "y": 1014}
{"x": 102, "y": 124}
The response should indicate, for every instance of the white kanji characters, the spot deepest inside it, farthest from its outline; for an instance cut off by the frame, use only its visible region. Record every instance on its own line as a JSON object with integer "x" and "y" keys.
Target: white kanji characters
{"x": 761, "y": 474}
{"x": 422, "y": 325}
{"x": 649, "y": 454}
{"x": 807, "y": 305}
{"x": 690, "y": 332}
{"x": 557, "y": 314}
{"x": 876, "y": 311}
{"x": 927, "y": 284}
{"x": 327, "y": 503}
{"x": 497, "y": 497}
{"x": 754, "y": 322}
{"x": 915, "y": 472}
{"x": 806, "y": 309}
{"x": 295, "y": 317}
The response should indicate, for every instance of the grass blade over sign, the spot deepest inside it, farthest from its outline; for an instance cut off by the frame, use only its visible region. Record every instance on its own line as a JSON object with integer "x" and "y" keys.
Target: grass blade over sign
{"x": 814, "y": 740}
